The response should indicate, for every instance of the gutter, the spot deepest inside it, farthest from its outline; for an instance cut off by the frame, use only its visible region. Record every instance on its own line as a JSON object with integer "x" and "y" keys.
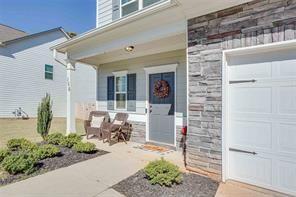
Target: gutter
{"x": 59, "y": 61}
{"x": 117, "y": 23}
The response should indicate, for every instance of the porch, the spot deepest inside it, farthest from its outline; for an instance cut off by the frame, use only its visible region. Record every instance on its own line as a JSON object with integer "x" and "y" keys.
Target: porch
{"x": 130, "y": 63}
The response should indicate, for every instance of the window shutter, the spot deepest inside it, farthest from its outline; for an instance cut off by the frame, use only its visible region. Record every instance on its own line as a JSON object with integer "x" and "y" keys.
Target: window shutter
{"x": 115, "y": 9}
{"x": 110, "y": 93}
{"x": 131, "y": 92}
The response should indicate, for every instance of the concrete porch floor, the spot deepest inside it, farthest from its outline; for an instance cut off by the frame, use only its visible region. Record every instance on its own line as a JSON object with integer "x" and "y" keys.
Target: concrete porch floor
{"x": 94, "y": 177}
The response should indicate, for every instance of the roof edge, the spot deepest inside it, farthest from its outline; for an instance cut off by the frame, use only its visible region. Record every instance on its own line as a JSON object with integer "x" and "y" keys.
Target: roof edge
{"x": 33, "y": 35}
{"x": 117, "y": 23}
{"x": 13, "y": 28}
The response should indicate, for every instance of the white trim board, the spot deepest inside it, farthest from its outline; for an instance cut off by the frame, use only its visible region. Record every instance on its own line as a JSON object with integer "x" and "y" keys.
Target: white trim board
{"x": 161, "y": 69}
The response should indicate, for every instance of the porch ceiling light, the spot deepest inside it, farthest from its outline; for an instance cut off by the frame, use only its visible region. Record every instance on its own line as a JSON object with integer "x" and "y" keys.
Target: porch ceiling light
{"x": 129, "y": 48}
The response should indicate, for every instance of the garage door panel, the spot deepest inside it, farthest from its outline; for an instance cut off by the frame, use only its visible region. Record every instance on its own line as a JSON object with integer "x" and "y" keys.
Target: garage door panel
{"x": 286, "y": 175}
{"x": 250, "y": 168}
{"x": 261, "y": 120}
{"x": 285, "y": 68}
{"x": 287, "y": 100}
{"x": 287, "y": 138}
{"x": 246, "y": 71}
{"x": 251, "y": 99}
{"x": 251, "y": 134}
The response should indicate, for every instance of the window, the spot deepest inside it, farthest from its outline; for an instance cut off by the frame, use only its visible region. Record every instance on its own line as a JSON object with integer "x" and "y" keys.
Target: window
{"x": 130, "y": 6}
{"x": 120, "y": 92}
{"x": 48, "y": 72}
{"x": 149, "y": 2}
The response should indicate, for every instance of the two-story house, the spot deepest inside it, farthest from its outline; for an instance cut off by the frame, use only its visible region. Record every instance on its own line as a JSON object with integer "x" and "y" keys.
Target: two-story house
{"x": 28, "y": 71}
{"x": 225, "y": 68}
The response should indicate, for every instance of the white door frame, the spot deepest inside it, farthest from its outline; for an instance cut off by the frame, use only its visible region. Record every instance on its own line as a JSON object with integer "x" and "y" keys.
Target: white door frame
{"x": 291, "y": 44}
{"x": 155, "y": 70}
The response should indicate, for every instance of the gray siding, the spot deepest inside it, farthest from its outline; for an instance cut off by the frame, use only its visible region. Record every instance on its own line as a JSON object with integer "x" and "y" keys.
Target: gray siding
{"x": 104, "y": 12}
{"x": 22, "y": 82}
{"x": 254, "y": 23}
{"x": 137, "y": 66}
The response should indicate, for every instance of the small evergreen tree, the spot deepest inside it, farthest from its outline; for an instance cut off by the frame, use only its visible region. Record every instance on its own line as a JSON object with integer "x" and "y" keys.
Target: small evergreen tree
{"x": 44, "y": 116}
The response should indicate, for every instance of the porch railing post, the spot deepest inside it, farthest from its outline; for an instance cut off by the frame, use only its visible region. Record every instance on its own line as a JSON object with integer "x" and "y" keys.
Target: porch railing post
{"x": 71, "y": 125}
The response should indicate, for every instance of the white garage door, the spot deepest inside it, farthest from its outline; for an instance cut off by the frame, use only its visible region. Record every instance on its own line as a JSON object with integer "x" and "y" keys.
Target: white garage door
{"x": 262, "y": 120}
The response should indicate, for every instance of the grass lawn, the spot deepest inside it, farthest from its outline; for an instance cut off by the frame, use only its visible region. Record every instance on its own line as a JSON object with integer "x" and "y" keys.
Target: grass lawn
{"x": 16, "y": 128}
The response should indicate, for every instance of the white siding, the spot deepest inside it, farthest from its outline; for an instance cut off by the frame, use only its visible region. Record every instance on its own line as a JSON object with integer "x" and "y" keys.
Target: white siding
{"x": 137, "y": 66}
{"x": 104, "y": 12}
{"x": 22, "y": 82}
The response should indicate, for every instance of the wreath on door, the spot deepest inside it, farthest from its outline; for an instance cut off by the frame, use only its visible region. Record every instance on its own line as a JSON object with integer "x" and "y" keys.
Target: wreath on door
{"x": 161, "y": 89}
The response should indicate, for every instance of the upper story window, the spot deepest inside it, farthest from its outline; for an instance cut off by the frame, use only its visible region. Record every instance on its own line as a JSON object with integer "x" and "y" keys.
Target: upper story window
{"x": 130, "y": 6}
{"x": 48, "y": 74}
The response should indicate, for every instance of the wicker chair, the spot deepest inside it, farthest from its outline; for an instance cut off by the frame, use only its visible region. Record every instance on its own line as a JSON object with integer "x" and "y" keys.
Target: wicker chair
{"x": 95, "y": 131}
{"x": 120, "y": 130}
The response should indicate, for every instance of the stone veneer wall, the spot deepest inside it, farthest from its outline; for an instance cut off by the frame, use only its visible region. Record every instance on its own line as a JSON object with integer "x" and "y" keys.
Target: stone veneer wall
{"x": 179, "y": 138}
{"x": 254, "y": 23}
{"x": 139, "y": 132}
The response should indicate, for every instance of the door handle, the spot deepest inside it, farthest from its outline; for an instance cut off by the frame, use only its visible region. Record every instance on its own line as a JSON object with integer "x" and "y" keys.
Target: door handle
{"x": 242, "y": 81}
{"x": 242, "y": 151}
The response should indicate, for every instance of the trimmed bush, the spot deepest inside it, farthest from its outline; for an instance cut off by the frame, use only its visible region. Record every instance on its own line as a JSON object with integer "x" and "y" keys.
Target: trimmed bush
{"x": 3, "y": 153}
{"x": 85, "y": 147}
{"x": 163, "y": 173}
{"x": 71, "y": 140}
{"x": 19, "y": 163}
{"x": 21, "y": 144}
{"x": 44, "y": 116}
{"x": 55, "y": 138}
{"x": 45, "y": 151}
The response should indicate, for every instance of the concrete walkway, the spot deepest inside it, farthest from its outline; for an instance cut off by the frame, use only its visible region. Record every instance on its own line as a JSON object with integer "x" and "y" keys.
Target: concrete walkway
{"x": 91, "y": 178}
{"x": 94, "y": 177}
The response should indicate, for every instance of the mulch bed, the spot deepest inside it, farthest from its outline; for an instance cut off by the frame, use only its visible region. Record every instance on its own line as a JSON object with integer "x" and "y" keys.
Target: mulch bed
{"x": 66, "y": 158}
{"x": 193, "y": 185}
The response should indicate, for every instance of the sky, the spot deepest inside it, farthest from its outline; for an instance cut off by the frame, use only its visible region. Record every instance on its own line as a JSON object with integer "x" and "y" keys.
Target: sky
{"x": 33, "y": 16}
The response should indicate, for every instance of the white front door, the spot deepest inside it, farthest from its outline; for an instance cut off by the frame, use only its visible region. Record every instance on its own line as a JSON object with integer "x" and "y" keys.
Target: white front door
{"x": 262, "y": 120}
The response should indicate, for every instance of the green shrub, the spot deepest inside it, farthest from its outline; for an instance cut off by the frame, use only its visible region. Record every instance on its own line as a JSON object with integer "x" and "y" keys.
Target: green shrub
{"x": 45, "y": 151}
{"x": 19, "y": 163}
{"x": 44, "y": 116}
{"x": 71, "y": 140}
{"x": 55, "y": 138}
{"x": 3, "y": 153}
{"x": 21, "y": 144}
{"x": 85, "y": 147}
{"x": 163, "y": 173}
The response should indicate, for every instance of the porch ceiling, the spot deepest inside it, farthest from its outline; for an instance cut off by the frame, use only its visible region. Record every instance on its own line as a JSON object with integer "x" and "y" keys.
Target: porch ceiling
{"x": 153, "y": 47}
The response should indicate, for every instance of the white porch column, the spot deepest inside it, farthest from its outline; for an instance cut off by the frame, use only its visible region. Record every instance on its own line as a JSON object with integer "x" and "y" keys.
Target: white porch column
{"x": 71, "y": 125}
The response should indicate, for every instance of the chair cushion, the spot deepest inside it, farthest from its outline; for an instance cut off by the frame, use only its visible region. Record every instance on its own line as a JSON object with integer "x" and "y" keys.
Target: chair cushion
{"x": 96, "y": 121}
{"x": 117, "y": 122}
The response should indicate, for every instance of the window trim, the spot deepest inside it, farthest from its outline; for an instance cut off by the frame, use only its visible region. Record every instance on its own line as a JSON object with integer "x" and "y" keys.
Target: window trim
{"x": 120, "y": 74}
{"x": 48, "y": 72}
{"x": 140, "y": 6}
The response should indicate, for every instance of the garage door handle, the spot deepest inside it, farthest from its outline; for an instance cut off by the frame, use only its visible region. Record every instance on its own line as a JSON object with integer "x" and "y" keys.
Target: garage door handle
{"x": 242, "y": 81}
{"x": 242, "y": 151}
